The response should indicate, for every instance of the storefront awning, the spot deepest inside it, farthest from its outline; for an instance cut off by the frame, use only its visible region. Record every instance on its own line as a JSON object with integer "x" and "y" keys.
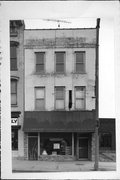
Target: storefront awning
{"x": 59, "y": 121}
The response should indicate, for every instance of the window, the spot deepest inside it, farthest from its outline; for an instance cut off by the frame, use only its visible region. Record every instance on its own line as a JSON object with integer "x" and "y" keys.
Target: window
{"x": 80, "y": 97}
{"x": 13, "y": 57}
{"x": 14, "y": 139}
{"x": 60, "y": 96}
{"x": 40, "y": 60}
{"x": 39, "y": 98}
{"x": 80, "y": 62}
{"x": 106, "y": 140}
{"x": 13, "y": 92}
{"x": 60, "y": 58}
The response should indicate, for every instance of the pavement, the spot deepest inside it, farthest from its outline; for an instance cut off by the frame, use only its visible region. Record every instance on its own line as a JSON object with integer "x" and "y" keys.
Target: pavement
{"x": 19, "y": 165}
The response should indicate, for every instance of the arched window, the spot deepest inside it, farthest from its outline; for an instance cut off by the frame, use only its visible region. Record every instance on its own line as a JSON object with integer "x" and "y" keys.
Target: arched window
{"x": 13, "y": 55}
{"x": 13, "y": 91}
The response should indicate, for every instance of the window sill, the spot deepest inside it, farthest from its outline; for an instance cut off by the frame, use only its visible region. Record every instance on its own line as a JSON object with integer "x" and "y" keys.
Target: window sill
{"x": 76, "y": 73}
{"x": 12, "y": 105}
{"x": 14, "y": 70}
{"x": 40, "y": 73}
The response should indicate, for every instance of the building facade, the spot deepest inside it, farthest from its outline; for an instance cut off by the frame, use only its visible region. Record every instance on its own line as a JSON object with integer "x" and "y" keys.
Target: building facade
{"x": 17, "y": 86}
{"x": 59, "y": 117}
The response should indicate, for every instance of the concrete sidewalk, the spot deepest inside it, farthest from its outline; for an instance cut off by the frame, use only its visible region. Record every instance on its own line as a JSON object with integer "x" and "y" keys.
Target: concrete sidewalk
{"x": 47, "y": 166}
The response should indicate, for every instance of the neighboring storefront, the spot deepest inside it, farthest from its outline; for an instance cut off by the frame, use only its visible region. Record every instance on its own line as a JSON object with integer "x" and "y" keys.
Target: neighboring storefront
{"x": 15, "y": 127}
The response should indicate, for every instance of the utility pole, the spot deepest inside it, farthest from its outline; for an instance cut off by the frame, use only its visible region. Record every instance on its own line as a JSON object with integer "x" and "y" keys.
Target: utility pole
{"x": 96, "y": 165}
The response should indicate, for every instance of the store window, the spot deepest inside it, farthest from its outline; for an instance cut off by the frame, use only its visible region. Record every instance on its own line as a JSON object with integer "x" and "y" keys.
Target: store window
{"x": 39, "y": 98}
{"x": 40, "y": 61}
{"x": 60, "y": 62}
{"x": 13, "y": 92}
{"x": 60, "y": 97}
{"x": 14, "y": 139}
{"x": 80, "y": 97}
{"x": 106, "y": 140}
{"x": 80, "y": 62}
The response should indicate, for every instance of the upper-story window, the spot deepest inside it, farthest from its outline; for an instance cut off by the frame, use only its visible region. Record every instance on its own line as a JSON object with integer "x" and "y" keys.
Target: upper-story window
{"x": 59, "y": 97}
{"x": 80, "y": 62}
{"x": 13, "y": 92}
{"x": 13, "y": 57}
{"x": 40, "y": 62}
{"x": 40, "y": 98}
{"x": 80, "y": 97}
{"x": 60, "y": 62}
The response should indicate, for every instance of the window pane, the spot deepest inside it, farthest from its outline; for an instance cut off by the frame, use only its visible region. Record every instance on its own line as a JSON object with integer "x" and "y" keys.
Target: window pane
{"x": 39, "y": 67}
{"x": 59, "y": 67}
{"x": 40, "y": 104}
{"x": 80, "y": 104}
{"x": 59, "y": 92}
{"x": 60, "y": 57}
{"x": 39, "y": 93}
{"x": 13, "y": 99}
{"x": 59, "y": 104}
{"x": 79, "y": 67}
{"x": 79, "y": 94}
{"x": 13, "y": 64}
{"x": 40, "y": 58}
{"x": 80, "y": 57}
{"x": 13, "y": 86}
{"x": 13, "y": 52}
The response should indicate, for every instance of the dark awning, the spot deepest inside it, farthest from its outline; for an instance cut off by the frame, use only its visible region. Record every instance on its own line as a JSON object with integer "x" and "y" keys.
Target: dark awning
{"x": 59, "y": 121}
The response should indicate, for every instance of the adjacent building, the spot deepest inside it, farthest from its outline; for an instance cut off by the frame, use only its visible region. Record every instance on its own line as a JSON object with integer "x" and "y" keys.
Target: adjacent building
{"x": 17, "y": 85}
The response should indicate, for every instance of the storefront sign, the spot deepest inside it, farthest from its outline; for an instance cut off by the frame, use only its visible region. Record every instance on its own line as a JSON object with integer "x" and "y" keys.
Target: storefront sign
{"x": 14, "y": 121}
{"x": 56, "y": 146}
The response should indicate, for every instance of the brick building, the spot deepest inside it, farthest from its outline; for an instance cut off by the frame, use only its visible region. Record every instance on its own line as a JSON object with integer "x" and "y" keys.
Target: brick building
{"x": 59, "y": 118}
{"x": 17, "y": 85}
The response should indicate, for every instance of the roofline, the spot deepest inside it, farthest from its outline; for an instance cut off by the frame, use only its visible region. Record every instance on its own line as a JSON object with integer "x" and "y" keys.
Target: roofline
{"x": 60, "y": 29}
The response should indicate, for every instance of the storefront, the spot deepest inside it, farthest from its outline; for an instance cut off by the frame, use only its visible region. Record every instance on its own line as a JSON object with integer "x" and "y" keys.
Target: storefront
{"x": 70, "y": 140}
{"x": 15, "y": 127}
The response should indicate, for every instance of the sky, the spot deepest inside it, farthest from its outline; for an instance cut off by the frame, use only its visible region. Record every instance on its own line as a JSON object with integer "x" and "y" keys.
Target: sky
{"x": 106, "y": 54}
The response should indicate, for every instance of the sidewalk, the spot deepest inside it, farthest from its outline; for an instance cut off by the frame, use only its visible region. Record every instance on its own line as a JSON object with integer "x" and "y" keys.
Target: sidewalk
{"x": 47, "y": 166}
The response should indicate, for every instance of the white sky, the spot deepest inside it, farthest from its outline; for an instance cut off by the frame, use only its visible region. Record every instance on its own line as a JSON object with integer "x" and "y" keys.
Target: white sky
{"x": 106, "y": 55}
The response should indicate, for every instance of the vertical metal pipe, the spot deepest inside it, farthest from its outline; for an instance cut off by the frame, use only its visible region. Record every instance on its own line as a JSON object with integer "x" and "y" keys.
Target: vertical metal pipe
{"x": 38, "y": 145}
{"x": 96, "y": 165}
{"x": 72, "y": 144}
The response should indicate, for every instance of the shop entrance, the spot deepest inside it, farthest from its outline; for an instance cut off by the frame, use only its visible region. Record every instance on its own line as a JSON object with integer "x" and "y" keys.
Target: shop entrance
{"x": 83, "y": 147}
{"x": 33, "y": 148}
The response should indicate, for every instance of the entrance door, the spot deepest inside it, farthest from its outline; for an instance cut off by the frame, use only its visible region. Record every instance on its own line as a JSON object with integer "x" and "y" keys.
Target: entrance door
{"x": 33, "y": 148}
{"x": 83, "y": 148}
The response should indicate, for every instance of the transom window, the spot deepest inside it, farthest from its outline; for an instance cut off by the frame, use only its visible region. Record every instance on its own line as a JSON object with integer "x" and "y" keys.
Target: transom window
{"x": 80, "y": 97}
{"x": 13, "y": 92}
{"x": 59, "y": 97}
{"x": 13, "y": 57}
{"x": 80, "y": 62}
{"x": 40, "y": 61}
{"x": 60, "y": 62}
{"x": 40, "y": 98}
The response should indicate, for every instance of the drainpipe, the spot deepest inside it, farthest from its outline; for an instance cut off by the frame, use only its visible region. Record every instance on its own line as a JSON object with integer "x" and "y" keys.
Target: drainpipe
{"x": 96, "y": 165}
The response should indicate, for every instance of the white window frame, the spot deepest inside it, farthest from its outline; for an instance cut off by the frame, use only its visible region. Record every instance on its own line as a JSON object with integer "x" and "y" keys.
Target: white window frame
{"x": 38, "y": 109}
{"x": 84, "y": 98}
{"x": 60, "y": 98}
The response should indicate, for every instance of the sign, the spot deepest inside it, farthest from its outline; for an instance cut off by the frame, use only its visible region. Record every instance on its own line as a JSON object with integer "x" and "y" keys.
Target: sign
{"x": 14, "y": 121}
{"x": 56, "y": 146}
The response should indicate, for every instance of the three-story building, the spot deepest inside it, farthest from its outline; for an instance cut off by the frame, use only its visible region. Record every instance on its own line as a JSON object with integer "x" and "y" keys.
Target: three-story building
{"x": 17, "y": 86}
{"x": 59, "y": 118}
